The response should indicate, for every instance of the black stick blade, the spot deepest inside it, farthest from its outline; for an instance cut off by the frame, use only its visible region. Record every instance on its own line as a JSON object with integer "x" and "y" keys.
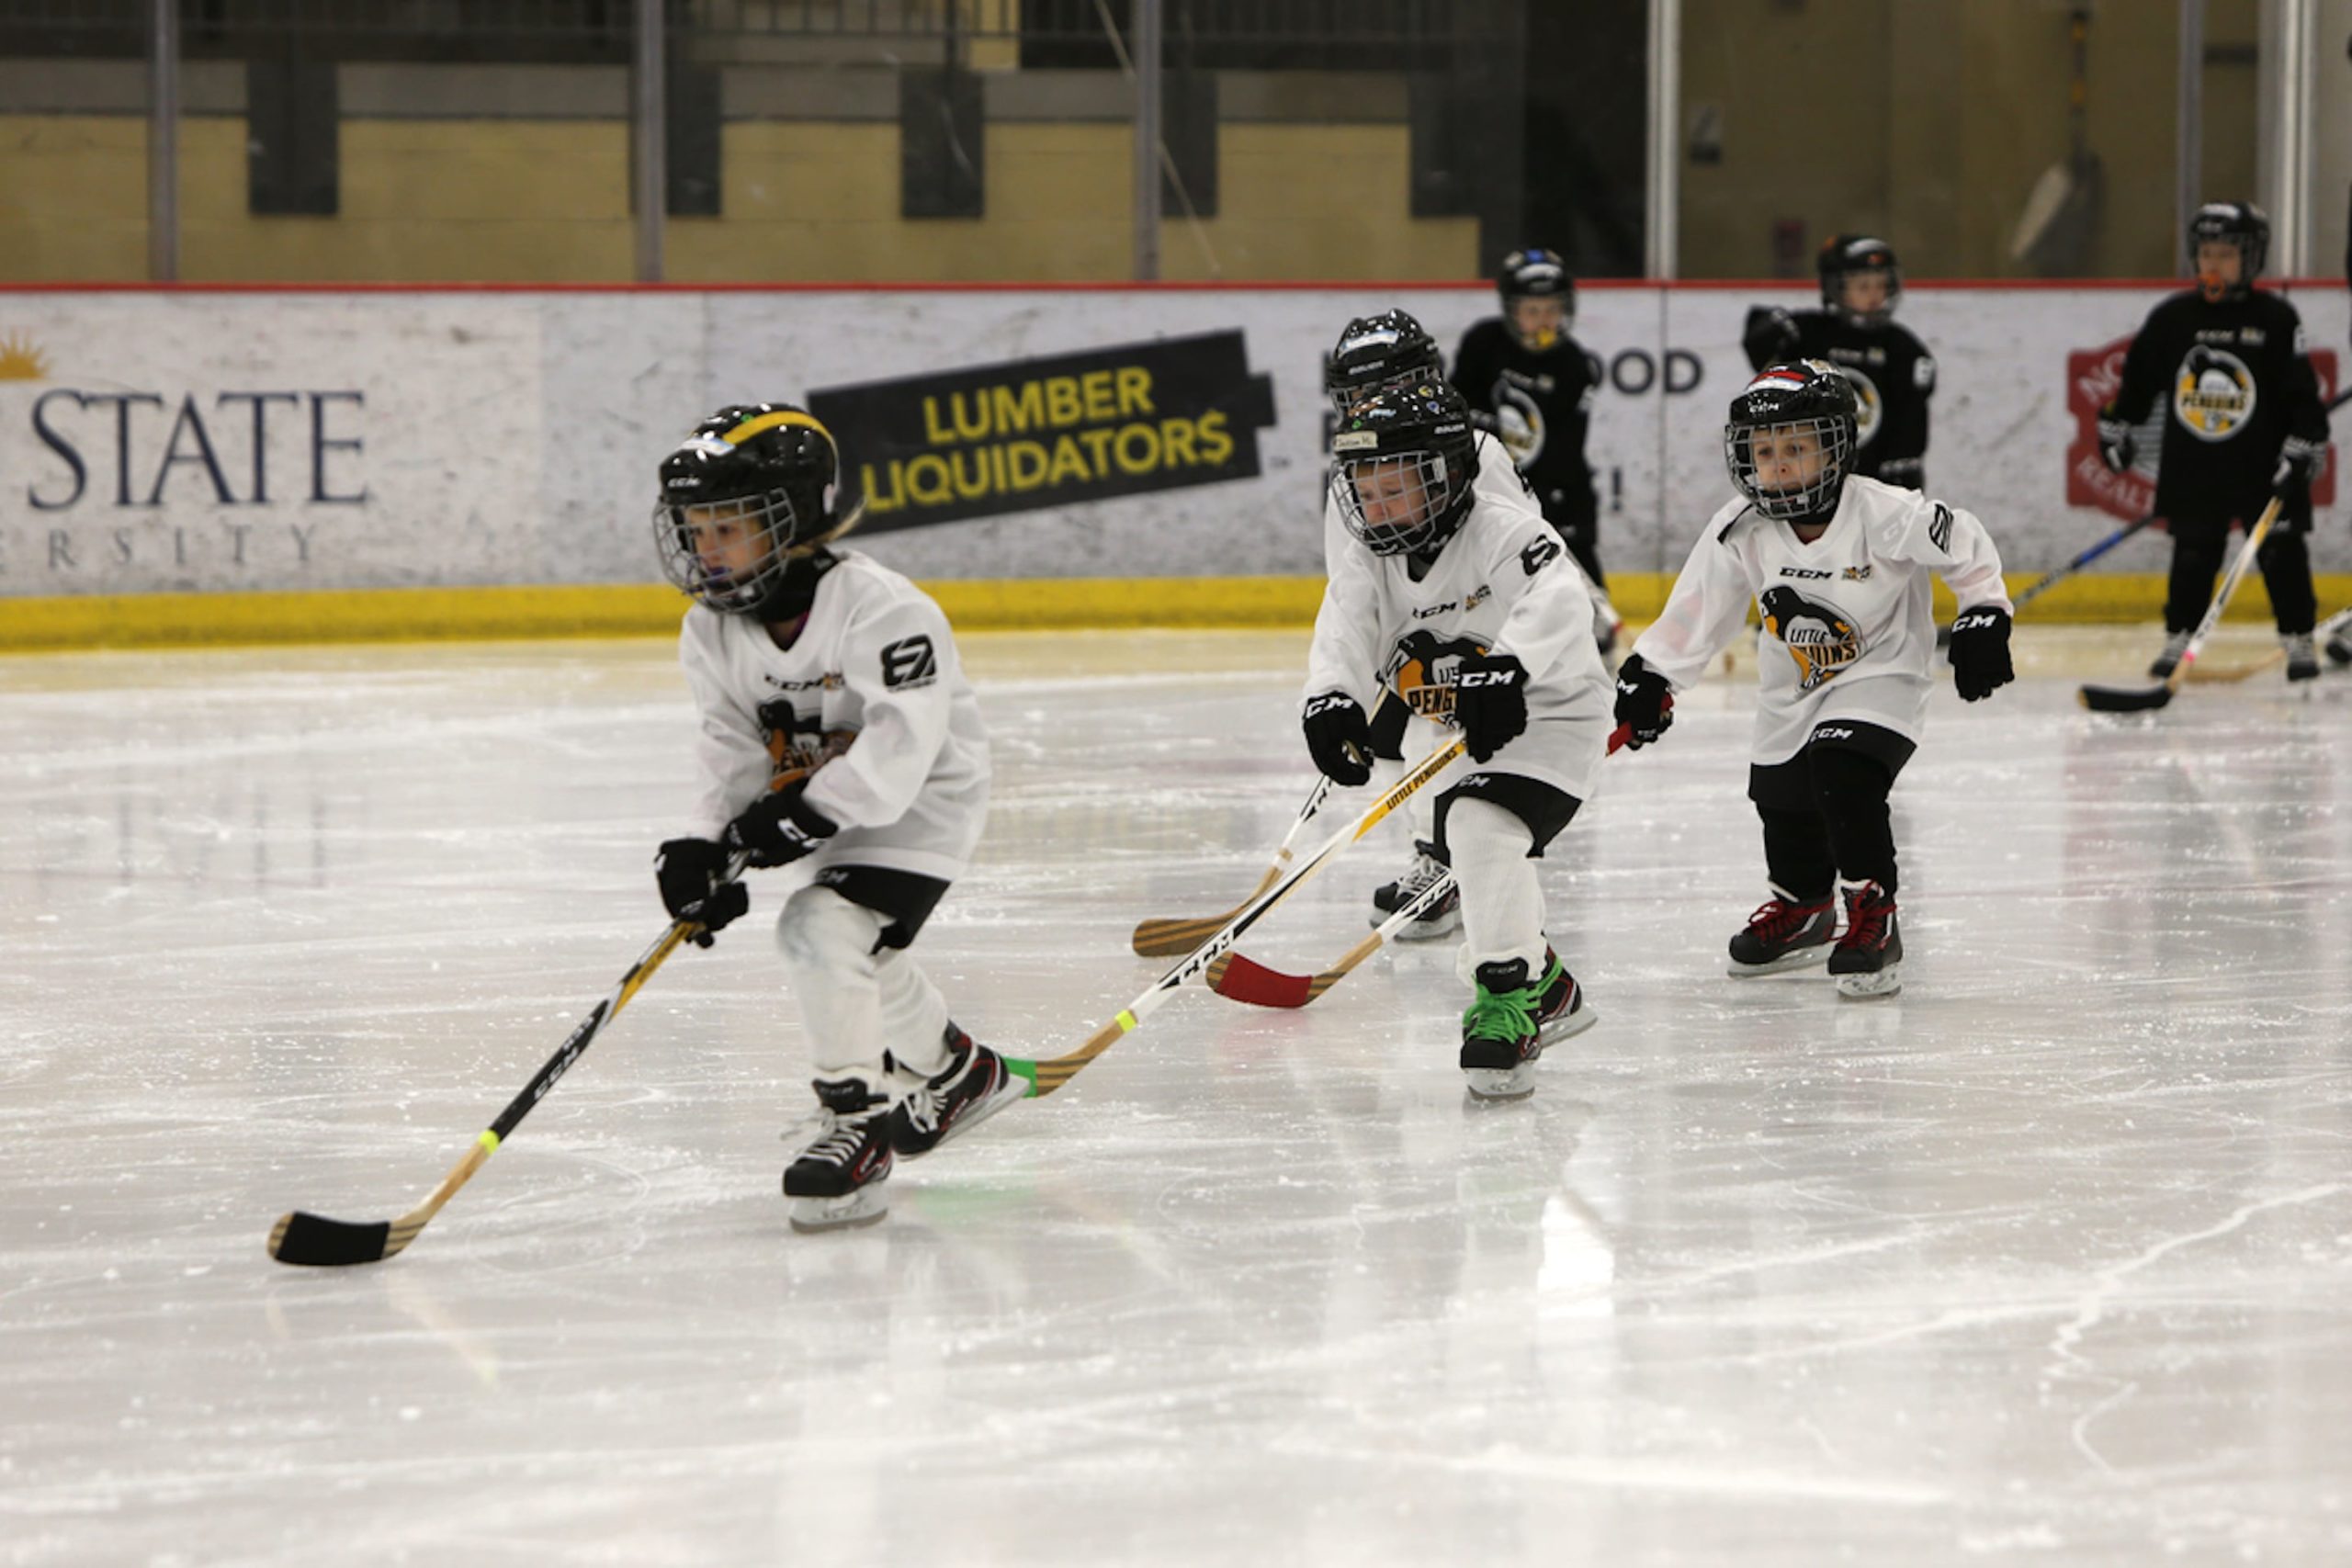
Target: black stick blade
{"x": 2124, "y": 699}
{"x": 314, "y": 1241}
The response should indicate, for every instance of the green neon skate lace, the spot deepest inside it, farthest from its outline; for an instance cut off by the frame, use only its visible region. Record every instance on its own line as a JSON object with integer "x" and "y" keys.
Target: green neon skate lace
{"x": 1507, "y": 1015}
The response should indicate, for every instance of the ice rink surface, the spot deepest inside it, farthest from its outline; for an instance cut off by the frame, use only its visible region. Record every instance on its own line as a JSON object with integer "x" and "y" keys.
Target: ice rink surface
{"x": 2047, "y": 1260}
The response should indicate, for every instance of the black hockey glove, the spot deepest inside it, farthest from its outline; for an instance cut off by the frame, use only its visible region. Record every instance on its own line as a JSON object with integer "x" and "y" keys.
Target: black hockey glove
{"x": 1644, "y": 703}
{"x": 2115, "y": 445}
{"x": 779, "y": 827}
{"x": 2300, "y": 463}
{"x": 1769, "y": 336}
{"x": 1339, "y": 738}
{"x": 1911, "y": 473}
{"x": 691, "y": 872}
{"x": 1489, "y": 701}
{"x": 1979, "y": 652}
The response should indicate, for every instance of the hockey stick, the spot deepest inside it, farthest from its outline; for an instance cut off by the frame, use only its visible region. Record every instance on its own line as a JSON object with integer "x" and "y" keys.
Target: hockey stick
{"x": 2231, "y": 674}
{"x": 2050, "y": 579}
{"x": 1174, "y": 938}
{"x": 307, "y": 1238}
{"x": 2139, "y": 699}
{"x": 1049, "y": 1074}
{"x": 1241, "y": 978}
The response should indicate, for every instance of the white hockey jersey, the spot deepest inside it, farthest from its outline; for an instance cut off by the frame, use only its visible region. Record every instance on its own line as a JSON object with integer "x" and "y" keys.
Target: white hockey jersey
{"x": 1849, "y": 624}
{"x": 1502, "y": 584}
{"x": 871, "y": 695}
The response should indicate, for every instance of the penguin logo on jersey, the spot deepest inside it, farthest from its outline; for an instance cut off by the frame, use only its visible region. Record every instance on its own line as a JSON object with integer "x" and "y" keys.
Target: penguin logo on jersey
{"x": 1870, "y": 409}
{"x": 2214, "y": 394}
{"x": 1821, "y": 641}
{"x": 798, "y": 747}
{"x": 1424, "y": 670}
{"x": 1519, "y": 422}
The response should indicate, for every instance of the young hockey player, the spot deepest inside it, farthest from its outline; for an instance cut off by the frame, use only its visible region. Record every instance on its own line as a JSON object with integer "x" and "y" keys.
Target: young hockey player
{"x": 1838, "y": 566}
{"x": 1376, "y": 354}
{"x": 838, "y": 732}
{"x": 1893, "y": 374}
{"x": 1460, "y": 601}
{"x": 2246, "y": 421}
{"x": 1533, "y": 384}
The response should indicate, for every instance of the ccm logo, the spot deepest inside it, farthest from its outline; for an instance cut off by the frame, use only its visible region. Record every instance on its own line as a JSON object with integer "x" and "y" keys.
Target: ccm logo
{"x": 1485, "y": 678}
{"x": 1833, "y": 732}
{"x": 1802, "y": 571}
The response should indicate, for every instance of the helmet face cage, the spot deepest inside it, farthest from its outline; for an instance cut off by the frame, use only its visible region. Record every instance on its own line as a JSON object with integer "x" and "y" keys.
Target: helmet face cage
{"x": 1833, "y": 434}
{"x": 1413, "y": 494}
{"x": 767, "y": 521}
{"x": 2240, "y": 223}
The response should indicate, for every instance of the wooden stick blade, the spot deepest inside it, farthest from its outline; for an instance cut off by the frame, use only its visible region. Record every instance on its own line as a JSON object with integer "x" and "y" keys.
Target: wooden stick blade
{"x": 1173, "y": 939}
{"x": 313, "y": 1241}
{"x": 2123, "y": 699}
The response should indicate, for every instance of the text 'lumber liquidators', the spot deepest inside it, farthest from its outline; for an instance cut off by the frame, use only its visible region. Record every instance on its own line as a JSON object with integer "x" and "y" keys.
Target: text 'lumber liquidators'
{"x": 1032, "y": 434}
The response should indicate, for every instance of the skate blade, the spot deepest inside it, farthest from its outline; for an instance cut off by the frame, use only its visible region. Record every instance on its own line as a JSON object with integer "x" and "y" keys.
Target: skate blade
{"x": 1498, "y": 1084}
{"x": 1887, "y": 982}
{"x": 866, "y": 1206}
{"x": 1803, "y": 957}
{"x": 1567, "y": 1027}
{"x": 1424, "y": 931}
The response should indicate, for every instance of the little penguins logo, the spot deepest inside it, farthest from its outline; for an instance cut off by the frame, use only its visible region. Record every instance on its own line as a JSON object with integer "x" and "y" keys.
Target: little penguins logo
{"x": 1519, "y": 422}
{"x": 1822, "y": 641}
{"x": 1424, "y": 671}
{"x": 1870, "y": 409}
{"x": 798, "y": 747}
{"x": 2214, "y": 394}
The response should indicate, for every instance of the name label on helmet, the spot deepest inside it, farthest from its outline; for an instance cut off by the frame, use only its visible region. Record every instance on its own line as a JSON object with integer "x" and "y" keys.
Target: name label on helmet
{"x": 1356, "y": 441}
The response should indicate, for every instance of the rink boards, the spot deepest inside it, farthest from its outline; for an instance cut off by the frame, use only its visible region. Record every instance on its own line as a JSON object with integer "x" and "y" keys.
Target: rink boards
{"x": 249, "y": 465}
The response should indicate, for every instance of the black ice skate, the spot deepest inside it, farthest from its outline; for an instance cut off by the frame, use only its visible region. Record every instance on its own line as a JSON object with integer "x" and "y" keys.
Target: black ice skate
{"x": 1440, "y": 918}
{"x": 2302, "y": 656}
{"x": 836, "y": 1178}
{"x": 1868, "y": 961}
{"x": 2166, "y": 661}
{"x": 1784, "y": 935}
{"x": 1510, "y": 1021}
{"x": 2339, "y": 648}
{"x": 973, "y": 1086}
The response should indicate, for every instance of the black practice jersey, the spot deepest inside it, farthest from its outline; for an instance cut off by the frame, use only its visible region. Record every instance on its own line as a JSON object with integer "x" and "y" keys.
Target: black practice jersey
{"x": 1893, "y": 373}
{"x": 2236, "y": 381}
{"x": 1540, "y": 406}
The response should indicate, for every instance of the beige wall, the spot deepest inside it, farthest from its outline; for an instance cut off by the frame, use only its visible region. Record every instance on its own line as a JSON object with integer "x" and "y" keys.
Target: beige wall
{"x": 1928, "y": 121}
{"x": 546, "y": 200}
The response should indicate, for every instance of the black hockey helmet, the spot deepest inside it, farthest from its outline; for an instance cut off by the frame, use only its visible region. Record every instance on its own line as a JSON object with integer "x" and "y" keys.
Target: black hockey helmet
{"x": 1386, "y": 350}
{"x": 2240, "y": 223}
{"x": 1842, "y": 256}
{"x": 1536, "y": 274}
{"x": 1402, "y": 465}
{"x": 1805, "y": 397}
{"x": 769, "y": 469}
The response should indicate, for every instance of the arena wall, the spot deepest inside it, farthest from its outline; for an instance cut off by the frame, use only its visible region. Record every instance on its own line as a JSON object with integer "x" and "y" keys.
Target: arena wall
{"x": 259, "y": 464}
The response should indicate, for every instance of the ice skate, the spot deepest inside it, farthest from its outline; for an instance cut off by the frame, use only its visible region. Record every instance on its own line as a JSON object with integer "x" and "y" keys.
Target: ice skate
{"x": 835, "y": 1181}
{"x": 2339, "y": 648}
{"x": 2302, "y": 656}
{"x": 973, "y": 1086}
{"x": 1868, "y": 960}
{"x": 1510, "y": 1024}
{"x": 1784, "y": 935}
{"x": 1440, "y": 918}
{"x": 2166, "y": 661}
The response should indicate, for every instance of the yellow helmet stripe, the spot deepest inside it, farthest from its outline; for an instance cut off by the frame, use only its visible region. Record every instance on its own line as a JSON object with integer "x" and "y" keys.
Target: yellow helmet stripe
{"x": 750, "y": 427}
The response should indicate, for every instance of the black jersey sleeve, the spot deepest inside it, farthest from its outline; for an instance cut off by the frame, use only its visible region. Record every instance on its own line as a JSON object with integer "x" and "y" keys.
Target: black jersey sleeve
{"x": 2306, "y": 409}
{"x": 2146, "y": 365}
{"x": 1770, "y": 335}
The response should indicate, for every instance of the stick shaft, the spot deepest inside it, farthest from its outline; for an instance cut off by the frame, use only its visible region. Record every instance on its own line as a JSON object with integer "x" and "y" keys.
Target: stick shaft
{"x": 2052, "y": 580}
{"x": 1049, "y": 1074}
{"x": 2237, "y": 574}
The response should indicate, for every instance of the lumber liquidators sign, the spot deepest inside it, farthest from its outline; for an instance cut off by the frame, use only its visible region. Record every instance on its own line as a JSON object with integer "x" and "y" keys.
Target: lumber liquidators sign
{"x": 1029, "y": 435}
